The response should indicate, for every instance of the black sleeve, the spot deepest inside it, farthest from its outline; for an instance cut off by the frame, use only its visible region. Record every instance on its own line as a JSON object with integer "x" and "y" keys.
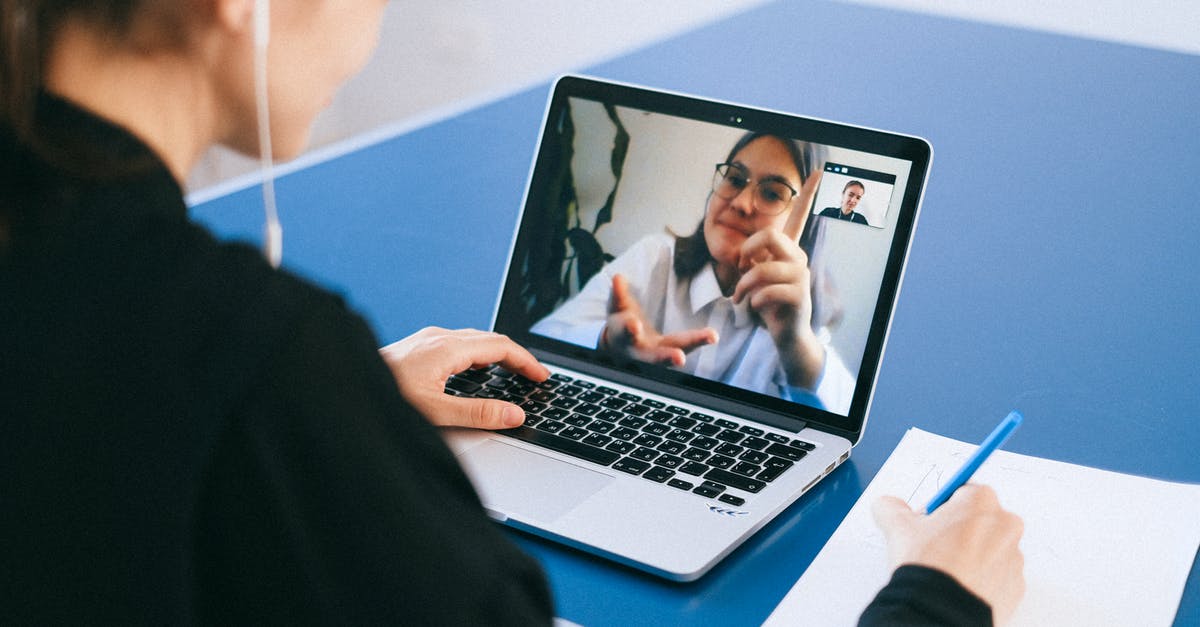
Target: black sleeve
{"x": 330, "y": 500}
{"x": 917, "y": 595}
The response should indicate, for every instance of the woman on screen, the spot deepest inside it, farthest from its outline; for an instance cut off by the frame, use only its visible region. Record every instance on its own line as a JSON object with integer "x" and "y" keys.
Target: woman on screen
{"x": 735, "y": 301}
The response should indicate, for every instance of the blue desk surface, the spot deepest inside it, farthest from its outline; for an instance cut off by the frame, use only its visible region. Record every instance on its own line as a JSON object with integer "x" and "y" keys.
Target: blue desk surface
{"x": 1055, "y": 267}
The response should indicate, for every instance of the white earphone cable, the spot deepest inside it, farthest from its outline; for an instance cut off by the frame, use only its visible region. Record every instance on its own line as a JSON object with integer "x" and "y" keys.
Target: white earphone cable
{"x": 273, "y": 232}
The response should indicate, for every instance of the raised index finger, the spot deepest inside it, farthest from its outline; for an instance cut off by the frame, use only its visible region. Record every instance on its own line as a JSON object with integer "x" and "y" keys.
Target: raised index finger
{"x": 802, "y": 203}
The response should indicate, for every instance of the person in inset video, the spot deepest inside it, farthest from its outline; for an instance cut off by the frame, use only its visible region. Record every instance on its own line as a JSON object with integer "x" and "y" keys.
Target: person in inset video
{"x": 735, "y": 300}
{"x": 852, "y": 193}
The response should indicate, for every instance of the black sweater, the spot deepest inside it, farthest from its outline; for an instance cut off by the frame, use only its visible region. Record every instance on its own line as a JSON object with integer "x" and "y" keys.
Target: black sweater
{"x": 188, "y": 436}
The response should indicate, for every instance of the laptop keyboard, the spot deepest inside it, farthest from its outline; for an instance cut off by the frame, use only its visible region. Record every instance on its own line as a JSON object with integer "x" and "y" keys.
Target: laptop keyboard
{"x": 657, "y": 441}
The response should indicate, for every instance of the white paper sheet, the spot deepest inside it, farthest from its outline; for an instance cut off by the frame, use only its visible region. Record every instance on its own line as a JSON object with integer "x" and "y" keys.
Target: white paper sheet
{"x": 1101, "y": 548}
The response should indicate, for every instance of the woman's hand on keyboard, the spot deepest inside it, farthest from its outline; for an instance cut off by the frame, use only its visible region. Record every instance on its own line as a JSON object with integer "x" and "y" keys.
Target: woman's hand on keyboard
{"x": 422, "y": 362}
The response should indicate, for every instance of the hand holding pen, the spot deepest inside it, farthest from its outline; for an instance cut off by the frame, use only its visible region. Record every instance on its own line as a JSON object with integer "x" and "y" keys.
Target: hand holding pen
{"x": 966, "y": 534}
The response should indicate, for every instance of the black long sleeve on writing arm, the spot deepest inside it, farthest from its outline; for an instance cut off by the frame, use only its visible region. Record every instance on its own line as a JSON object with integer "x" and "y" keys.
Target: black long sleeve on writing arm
{"x": 920, "y": 596}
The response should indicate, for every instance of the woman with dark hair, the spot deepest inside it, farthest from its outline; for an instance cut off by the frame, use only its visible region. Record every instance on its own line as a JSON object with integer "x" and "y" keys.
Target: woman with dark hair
{"x": 736, "y": 301}
{"x": 188, "y": 435}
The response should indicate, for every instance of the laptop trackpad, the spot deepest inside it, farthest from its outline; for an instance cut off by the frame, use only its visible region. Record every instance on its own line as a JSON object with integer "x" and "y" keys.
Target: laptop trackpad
{"x": 527, "y": 485}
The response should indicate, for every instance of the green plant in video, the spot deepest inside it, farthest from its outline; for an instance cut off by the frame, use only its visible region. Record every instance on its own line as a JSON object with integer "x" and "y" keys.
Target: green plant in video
{"x": 566, "y": 251}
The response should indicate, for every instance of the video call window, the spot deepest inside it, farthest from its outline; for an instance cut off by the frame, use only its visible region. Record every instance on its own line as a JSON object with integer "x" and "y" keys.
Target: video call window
{"x": 640, "y": 185}
{"x": 855, "y": 195}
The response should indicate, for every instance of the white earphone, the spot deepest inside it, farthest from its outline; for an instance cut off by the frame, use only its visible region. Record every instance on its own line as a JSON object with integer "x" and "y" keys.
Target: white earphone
{"x": 273, "y": 232}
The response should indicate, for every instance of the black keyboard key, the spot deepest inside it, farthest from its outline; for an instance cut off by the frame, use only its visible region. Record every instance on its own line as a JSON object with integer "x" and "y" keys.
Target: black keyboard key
{"x": 597, "y": 439}
{"x": 756, "y": 443}
{"x": 635, "y": 410}
{"x": 775, "y": 437}
{"x": 778, "y": 462}
{"x": 561, "y": 377}
{"x": 710, "y": 492}
{"x": 735, "y": 501}
{"x": 646, "y": 439}
{"x": 720, "y": 461}
{"x": 671, "y": 448}
{"x": 551, "y": 426}
{"x": 599, "y": 426}
{"x": 680, "y": 483}
{"x": 532, "y": 419}
{"x": 565, "y": 402}
{"x": 604, "y": 389}
{"x": 649, "y": 402}
{"x": 548, "y": 384}
{"x": 656, "y": 428}
{"x": 624, "y": 433}
{"x": 683, "y": 422}
{"x": 533, "y": 407}
{"x": 746, "y": 468}
{"x": 633, "y": 422}
{"x": 696, "y": 454}
{"x": 632, "y": 398}
{"x": 659, "y": 415}
{"x": 732, "y": 450}
{"x": 521, "y": 389}
{"x": 610, "y": 415}
{"x": 570, "y": 390}
{"x": 679, "y": 435}
{"x": 542, "y": 396}
{"x": 802, "y": 445}
{"x": 706, "y": 429}
{"x": 475, "y": 376}
{"x": 748, "y": 484}
{"x": 499, "y": 384}
{"x": 613, "y": 403}
{"x": 729, "y": 435}
{"x": 786, "y": 452}
{"x": 556, "y": 413}
{"x": 659, "y": 474}
{"x": 727, "y": 424}
{"x": 669, "y": 461}
{"x": 693, "y": 468}
{"x": 563, "y": 445}
{"x": 573, "y": 419}
{"x": 574, "y": 433}
{"x": 631, "y": 466}
{"x": 458, "y": 384}
{"x": 587, "y": 409}
{"x": 754, "y": 457}
{"x": 705, "y": 443}
{"x": 702, "y": 417}
{"x": 748, "y": 430}
{"x": 585, "y": 384}
{"x": 644, "y": 454}
{"x": 591, "y": 396}
{"x": 770, "y": 473}
{"x": 676, "y": 409}
{"x": 620, "y": 446}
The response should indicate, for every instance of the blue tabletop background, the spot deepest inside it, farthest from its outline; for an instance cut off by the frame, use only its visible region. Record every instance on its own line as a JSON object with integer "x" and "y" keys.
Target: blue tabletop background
{"x": 1054, "y": 268}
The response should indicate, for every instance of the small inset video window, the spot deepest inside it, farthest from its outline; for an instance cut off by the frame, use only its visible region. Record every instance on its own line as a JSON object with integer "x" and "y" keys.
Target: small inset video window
{"x": 854, "y": 195}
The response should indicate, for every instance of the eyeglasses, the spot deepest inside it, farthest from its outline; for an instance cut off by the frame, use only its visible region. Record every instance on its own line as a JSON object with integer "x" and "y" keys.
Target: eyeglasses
{"x": 771, "y": 195}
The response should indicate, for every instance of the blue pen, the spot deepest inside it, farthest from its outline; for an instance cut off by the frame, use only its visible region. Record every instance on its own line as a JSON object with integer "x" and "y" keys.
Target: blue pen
{"x": 999, "y": 435}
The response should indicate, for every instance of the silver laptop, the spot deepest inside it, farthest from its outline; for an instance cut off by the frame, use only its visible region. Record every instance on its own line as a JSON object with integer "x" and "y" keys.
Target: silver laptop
{"x": 711, "y": 285}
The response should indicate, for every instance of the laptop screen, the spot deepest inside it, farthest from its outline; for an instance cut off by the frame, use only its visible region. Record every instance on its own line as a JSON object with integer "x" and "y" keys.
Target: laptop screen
{"x": 716, "y": 249}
